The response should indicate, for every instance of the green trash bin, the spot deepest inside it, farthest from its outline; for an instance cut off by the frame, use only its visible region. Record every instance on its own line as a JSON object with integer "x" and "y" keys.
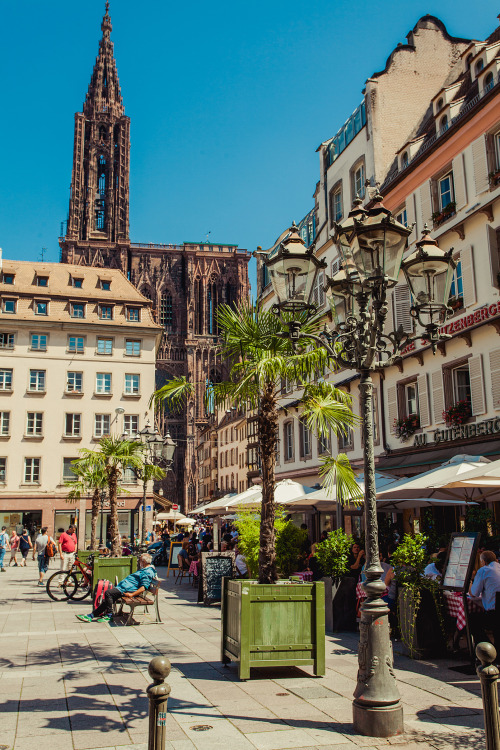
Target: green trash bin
{"x": 112, "y": 568}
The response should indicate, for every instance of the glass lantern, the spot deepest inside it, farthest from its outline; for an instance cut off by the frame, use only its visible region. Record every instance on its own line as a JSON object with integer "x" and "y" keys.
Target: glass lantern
{"x": 293, "y": 269}
{"x": 429, "y": 273}
{"x": 168, "y": 449}
{"x": 376, "y": 243}
{"x": 342, "y": 293}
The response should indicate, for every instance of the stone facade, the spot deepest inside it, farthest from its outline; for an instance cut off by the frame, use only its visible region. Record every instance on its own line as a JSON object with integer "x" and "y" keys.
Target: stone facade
{"x": 185, "y": 283}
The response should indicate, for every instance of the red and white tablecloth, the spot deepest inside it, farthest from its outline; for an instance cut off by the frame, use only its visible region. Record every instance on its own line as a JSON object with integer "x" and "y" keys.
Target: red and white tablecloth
{"x": 455, "y": 604}
{"x": 193, "y": 568}
{"x": 361, "y": 594}
{"x": 306, "y": 575}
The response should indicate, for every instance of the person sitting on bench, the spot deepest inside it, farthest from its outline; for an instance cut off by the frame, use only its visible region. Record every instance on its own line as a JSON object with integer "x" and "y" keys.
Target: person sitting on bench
{"x": 133, "y": 585}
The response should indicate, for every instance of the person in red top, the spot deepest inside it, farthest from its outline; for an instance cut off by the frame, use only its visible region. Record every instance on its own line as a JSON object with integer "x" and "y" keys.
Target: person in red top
{"x": 67, "y": 544}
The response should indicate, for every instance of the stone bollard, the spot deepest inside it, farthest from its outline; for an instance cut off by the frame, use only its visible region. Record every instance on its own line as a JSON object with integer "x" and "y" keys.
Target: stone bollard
{"x": 488, "y": 674}
{"x": 158, "y": 692}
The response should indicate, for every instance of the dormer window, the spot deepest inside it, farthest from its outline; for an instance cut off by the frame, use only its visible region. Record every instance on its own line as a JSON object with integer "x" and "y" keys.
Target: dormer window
{"x": 440, "y": 104}
{"x": 8, "y": 278}
{"x": 488, "y": 81}
{"x": 77, "y": 282}
{"x": 133, "y": 314}
{"x": 105, "y": 285}
{"x": 479, "y": 66}
{"x": 444, "y": 123}
{"x": 42, "y": 281}
{"x": 468, "y": 61}
{"x": 404, "y": 160}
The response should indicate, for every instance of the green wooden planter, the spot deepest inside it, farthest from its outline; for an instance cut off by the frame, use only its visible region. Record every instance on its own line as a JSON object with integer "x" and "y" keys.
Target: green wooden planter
{"x": 83, "y": 554}
{"x": 110, "y": 568}
{"x": 278, "y": 625}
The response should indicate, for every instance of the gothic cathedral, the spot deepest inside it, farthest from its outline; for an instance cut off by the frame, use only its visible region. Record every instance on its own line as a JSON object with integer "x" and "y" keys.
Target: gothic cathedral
{"x": 185, "y": 283}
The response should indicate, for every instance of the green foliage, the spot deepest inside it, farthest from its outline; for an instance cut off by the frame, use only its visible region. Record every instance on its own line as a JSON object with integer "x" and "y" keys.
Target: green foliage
{"x": 290, "y": 542}
{"x": 333, "y": 553}
{"x": 409, "y": 560}
{"x": 480, "y": 519}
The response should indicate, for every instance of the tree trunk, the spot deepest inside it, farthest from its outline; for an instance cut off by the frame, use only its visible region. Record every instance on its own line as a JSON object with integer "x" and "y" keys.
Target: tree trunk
{"x": 267, "y": 425}
{"x": 113, "y": 512}
{"x": 93, "y": 520}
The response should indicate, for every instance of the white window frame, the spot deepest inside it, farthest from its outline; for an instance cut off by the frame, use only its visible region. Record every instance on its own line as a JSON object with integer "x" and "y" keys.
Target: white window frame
{"x": 37, "y": 381}
{"x": 3, "y": 469}
{"x": 73, "y": 420}
{"x": 135, "y": 342}
{"x": 106, "y": 307}
{"x": 6, "y": 377}
{"x": 132, "y": 385}
{"x": 107, "y": 344}
{"x": 408, "y": 386}
{"x": 4, "y": 306}
{"x": 76, "y": 349}
{"x": 71, "y": 476}
{"x": 131, "y": 314}
{"x": 4, "y": 423}
{"x": 32, "y": 470}
{"x": 100, "y": 423}
{"x": 71, "y": 387}
{"x": 41, "y": 311}
{"x": 38, "y": 337}
{"x": 128, "y": 420}
{"x": 456, "y": 386}
{"x": 288, "y": 441}
{"x": 103, "y": 383}
{"x": 34, "y": 424}
{"x": 451, "y": 190}
{"x": 358, "y": 180}
{"x": 73, "y": 308}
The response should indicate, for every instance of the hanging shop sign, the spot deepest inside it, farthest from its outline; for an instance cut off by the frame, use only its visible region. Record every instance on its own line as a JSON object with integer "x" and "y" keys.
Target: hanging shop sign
{"x": 458, "y": 432}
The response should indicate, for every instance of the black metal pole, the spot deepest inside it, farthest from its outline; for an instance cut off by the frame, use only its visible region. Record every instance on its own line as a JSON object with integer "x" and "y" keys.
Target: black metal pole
{"x": 144, "y": 493}
{"x": 377, "y": 710}
{"x": 488, "y": 674}
{"x": 102, "y": 515}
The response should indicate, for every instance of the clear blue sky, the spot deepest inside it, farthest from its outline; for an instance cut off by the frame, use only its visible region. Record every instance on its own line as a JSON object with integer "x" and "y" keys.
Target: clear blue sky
{"x": 228, "y": 102}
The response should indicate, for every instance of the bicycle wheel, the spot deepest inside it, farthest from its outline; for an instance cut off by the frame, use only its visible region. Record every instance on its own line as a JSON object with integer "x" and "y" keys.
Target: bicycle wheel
{"x": 58, "y": 589}
{"x": 82, "y": 590}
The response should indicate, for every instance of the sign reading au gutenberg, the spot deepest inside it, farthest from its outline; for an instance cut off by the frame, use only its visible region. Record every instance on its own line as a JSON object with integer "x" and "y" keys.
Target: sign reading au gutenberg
{"x": 459, "y": 432}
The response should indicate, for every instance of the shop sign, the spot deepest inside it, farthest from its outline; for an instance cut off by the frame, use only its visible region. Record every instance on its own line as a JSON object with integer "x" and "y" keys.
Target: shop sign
{"x": 458, "y": 432}
{"x": 461, "y": 324}
{"x": 119, "y": 504}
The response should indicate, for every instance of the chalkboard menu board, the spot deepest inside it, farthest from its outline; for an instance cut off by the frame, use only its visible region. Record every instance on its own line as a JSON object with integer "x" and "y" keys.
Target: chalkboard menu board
{"x": 173, "y": 557}
{"x": 214, "y": 567}
{"x": 460, "y": 562}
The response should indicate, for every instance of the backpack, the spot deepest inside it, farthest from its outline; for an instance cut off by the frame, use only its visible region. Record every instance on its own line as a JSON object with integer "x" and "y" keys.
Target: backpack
{"x": 50, "y": 549}
{"x": 99, "y": 590}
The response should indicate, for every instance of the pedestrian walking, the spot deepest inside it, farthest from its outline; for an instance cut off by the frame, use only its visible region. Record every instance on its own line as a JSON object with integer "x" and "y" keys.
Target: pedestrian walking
{"x": 4, "y": 546}
{"x": 25, "y": 544}
{"x": 40, "y": 549}
{"x": 67, "y": 544}
{"x": 14, "y": 548}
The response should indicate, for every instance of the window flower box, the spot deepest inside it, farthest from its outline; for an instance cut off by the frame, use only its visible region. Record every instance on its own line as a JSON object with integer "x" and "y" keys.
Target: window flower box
{"x": 405, "y": 427}
{"x": 458, "y": 413}
{"x": 494, "y": 178}
{"x": 441, "y": 216}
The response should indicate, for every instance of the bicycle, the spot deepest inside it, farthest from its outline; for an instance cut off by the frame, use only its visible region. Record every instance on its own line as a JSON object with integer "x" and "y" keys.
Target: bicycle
{"x": 76, "y": 584}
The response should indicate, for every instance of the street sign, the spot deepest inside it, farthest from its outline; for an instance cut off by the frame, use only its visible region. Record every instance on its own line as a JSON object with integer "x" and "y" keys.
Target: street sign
{"x": 148, "y": 507}
{"x": 175, "y": 507}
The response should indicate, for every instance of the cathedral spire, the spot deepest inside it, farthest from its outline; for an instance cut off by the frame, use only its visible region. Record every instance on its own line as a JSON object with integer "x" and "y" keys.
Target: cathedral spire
{"x": 104, "y": 93}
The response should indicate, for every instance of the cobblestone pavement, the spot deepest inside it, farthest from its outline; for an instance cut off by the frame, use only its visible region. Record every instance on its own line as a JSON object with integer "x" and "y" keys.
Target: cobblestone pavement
{"x": 72, "y": 685}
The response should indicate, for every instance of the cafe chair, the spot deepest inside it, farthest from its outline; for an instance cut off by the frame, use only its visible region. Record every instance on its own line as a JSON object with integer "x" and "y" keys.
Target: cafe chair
{"x": 183, "y": 570}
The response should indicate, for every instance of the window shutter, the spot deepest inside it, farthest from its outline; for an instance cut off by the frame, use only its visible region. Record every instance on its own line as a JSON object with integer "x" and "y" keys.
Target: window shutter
{"x": 492, "y": 239}
{"x": 335, "y": 266}
{"x": 438, "y": 395}
{"x": 426, "y": 205}
{"x": 319, "y": 292}
{"x": 402, "y": 303}
{"x": 477, "y": 385}
{"x": 468, "y": 281}
{"x": 389, "y": 321}
{"x": 480, "y": 162}
{"x": 392, "y": 406}
{"x": 423, "y": 401}
{"x": 411, "y": 217}
{"x": 459, "y": 181}
{"x": 495, "y": 377}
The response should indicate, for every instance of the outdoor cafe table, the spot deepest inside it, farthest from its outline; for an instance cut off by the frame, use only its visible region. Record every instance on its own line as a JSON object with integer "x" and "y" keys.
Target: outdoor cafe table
{"x": 306, "y": 575}
{"x": 455, "y": 605}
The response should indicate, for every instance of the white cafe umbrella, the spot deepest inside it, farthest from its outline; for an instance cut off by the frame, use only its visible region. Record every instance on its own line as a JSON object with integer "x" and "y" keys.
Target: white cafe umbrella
{"x": 284, "y": 492}
{"x": 434, "y": 484}
{"x": 417, "y": 502}
{"x": 206, "y": 510}
{"x": 485, "y": 476}
{"x": 321, "y": 500}
{"x": 170, "y": 516}
{"x": 185, "y": 522}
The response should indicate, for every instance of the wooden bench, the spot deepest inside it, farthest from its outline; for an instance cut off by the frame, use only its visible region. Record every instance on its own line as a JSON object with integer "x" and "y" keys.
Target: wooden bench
{"x": 146, "y": 600}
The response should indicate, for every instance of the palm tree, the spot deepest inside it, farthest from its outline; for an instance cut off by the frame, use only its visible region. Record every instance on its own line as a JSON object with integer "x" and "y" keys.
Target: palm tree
{"x": 113, "y": 456}
{"x": 262, "y": 357}
{"x": 90, "y": 477}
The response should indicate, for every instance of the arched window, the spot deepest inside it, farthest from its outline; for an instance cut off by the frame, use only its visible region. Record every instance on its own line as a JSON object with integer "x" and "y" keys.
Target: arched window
{"x": 488, "y": 81}
{"x": 101, "y": 188}
{"x": 440, "y": 104}
{"x": 102, "y": 132}
{"x": 468, "y": 60}
{"x": 404, "y": 160}
{"x": 166, "y": 311}
{"x": 444, "y": 123}
{"x": 479, "y": 66}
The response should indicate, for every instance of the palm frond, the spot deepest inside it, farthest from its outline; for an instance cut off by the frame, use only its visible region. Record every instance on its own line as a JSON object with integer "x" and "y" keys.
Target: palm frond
{"x": 338, "y": 479}
{"x": 175, "y": 393}
{"x": 327, "y": 408}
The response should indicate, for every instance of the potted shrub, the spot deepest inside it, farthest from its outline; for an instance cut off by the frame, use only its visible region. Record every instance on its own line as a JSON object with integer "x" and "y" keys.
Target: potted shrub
{"x": 457, "y": 414}
{"x": 405, "y": 427}
{"x": 333, "y": 557}
{"x": 269, "y": 622}
{"x": 494, "y": 177}
{"x": 419, "y": 605}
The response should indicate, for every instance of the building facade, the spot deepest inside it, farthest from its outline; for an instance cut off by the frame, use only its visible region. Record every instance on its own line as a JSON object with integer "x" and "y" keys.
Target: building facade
{"x": 437, "y": 163}
{"x": 185, "y": 283}
{"x": 77, "y": 363}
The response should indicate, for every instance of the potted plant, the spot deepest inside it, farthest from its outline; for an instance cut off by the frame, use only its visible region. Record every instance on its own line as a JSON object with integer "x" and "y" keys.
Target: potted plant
{"x": 494, "y": 177}
{"x": 456, "y": 303}
{"x": 333, "y": 558}
{"x": 267, "y": 622}
{"x": 419, "y": 606}
{"x": 458, "y": 413}
{"x": 405, "y": 427}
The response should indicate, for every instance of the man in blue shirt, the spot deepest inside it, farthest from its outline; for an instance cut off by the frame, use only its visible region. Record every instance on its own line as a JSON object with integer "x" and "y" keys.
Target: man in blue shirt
{"x": 134, "y": 584}
{"x": 486, "y": 584}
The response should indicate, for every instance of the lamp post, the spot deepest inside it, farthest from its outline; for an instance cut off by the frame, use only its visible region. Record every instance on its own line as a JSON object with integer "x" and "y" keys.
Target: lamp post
{"x": 371, "y": 244}
{"x": 157, "y": 451}
{"x": 102, "y": 498}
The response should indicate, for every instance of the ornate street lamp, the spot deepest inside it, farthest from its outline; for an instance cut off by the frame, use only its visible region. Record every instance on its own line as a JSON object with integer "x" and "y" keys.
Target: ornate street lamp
{"x": 371, "y": 244}
{"x": 156, "y": 450}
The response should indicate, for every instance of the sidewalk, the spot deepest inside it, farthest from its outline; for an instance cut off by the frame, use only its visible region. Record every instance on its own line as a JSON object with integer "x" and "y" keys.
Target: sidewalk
{"x": 71, "y": 685}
